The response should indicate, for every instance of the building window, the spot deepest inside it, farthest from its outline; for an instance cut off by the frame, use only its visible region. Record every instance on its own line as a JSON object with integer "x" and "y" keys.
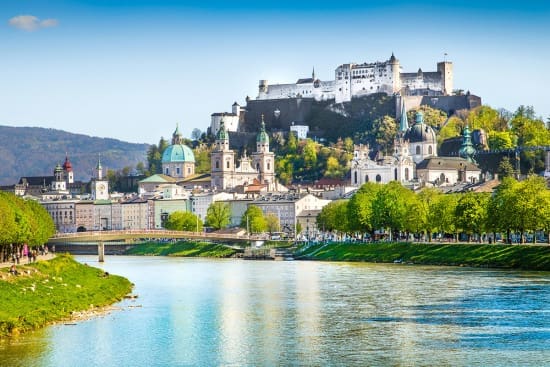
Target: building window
{"x": 418, "y": 149}
{"x": 177, "y": 171}
{"x": 227, "y": 164}
{"x": 217, "y": 164}
{"x": 366, "y": 178}
{"x": 355, "y": 177}
{"x": 268, "y": 166}
{"x": 378, "y": 178}
{"x": 407, "y": 173}
{"x": 395, "y": 174}
{"x": 430, "y": 151}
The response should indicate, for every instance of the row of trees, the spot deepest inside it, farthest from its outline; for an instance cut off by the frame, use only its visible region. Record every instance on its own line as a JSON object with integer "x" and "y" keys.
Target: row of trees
{"x": 22, "y": 222}
{"x": 522, "y": 207}
{"x": 218, "y": 216}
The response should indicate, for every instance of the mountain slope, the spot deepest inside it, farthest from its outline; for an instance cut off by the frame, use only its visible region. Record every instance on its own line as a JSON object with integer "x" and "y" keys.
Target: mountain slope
{"x": 34, "y": 151}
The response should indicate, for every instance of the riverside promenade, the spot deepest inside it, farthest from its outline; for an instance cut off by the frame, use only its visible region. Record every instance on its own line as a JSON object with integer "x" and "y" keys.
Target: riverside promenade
{"x": 25, "y": 260}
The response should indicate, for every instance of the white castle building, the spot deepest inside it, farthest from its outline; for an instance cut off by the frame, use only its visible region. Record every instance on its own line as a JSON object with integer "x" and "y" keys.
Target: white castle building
{"x": 354, "y": 80}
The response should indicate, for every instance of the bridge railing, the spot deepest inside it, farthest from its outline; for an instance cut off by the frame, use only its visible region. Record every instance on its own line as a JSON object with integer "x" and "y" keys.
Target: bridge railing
{"x": 157, "y": 233}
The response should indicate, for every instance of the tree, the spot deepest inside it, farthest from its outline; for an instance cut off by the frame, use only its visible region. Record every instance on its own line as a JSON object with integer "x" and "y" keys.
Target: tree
{"x": 471, "y": 213}
{"x": 253, "y": 220}
{"x": 196, "y": 134}
{"x": 218, "y": 215}
{"x": 385, "y": 129}
{"x": 334, "y": 216}
{"x": 505, "y": 168}
{"x": 272, "y": 222}
{"x": 360, "y": 208}
{"x": 183, "y": 221}
{"x": 432, "y": 116}
{"x": 500, "y": 140}
{"x": 442, "y": 214}
{"x": 390, "y": 206}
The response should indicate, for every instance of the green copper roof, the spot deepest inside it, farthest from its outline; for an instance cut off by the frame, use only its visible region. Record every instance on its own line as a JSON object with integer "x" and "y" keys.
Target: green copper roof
{"x": 419, "y": 117}
{"x": 467, "y": 150}
{"x": 178, "y": 153}
{"x": 262, "y": 135}
{"x": 404, "y": 122}
{"x": 222, "y": 133}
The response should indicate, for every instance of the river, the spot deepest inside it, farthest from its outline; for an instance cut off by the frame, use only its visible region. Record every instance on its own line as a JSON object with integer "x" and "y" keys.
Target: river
{"x": 204, "y": 312}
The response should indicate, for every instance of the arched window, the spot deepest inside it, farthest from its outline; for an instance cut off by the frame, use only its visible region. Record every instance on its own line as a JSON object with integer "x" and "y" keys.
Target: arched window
{"x": 395, "y": 174}
{"x": 217, "y": 164}
{"x": 167, "y": 172}
{"x": 378, "y": 178}
{"x": 177, "y": 171}
{"x": 355, "y": 177}
{"x": 430, "y": 151}
{"x": 268, "y": 166}
{"x": 366, "y": 178}
{"x": 418, "y": 149}
{"x": 257, "y": 166}
{"x": 227, "y": 164}
{"x": 407, "y": 173}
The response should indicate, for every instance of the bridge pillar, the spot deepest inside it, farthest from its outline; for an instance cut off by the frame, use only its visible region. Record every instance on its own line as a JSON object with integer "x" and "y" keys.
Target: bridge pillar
{"x": 101, "y": 251}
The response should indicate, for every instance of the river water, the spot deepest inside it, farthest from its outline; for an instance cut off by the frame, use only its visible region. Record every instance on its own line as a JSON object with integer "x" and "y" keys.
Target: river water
{"x": 194, "y": 312}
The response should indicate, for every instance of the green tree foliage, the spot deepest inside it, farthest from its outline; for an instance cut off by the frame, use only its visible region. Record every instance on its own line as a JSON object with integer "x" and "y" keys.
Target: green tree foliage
{"x": 202, "y": 159}
{"x": 272, "y": 223}
{"x": 385, "y": 130}
{"x": 471, "y": 213}
{"x": 505, "y": 168}
{"x": 432, "y": 116}
{"x": 451, "y": 129}
{"x": 218, "y": 215}
{"x": 500, "y": 140}
{"x": 361, "y": 212}
{"x": 254, "y": 220}
{"x": 23, "y": 222}
{"x": 183, "y": 221}
{"x": 390, "y": 205}
{"x": 334, "y": 216}
{"x": 486, "y": 118}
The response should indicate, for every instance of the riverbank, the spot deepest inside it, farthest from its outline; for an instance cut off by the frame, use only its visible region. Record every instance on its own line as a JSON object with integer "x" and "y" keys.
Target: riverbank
{"x": 182, "y": 249}
{"x": 526, "y": 257}
{"x": 50, "y": 291}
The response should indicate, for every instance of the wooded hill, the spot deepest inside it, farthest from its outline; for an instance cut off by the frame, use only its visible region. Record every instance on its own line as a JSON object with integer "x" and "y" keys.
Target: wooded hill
{"x": 34, "y": 151}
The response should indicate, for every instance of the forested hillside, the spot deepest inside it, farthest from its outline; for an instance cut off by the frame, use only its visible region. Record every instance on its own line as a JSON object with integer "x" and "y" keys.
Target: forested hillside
{"x": 34, "y": 151}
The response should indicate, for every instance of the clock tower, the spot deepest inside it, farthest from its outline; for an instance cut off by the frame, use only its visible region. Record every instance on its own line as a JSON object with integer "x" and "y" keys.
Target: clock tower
{"x": 99, "y": 185}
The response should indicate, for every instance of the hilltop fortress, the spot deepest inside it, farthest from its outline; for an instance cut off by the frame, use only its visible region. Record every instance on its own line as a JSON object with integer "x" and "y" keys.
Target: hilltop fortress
{"x": 355, "y": 80}
{"x": 340, "y": 107}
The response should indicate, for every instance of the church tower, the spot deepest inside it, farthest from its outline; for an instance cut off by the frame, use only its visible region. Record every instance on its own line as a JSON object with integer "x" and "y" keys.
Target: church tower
{"x": 68, "y": 170}
{"x": 99, "y": 185}
{"x": 222, "y": 160}
{"x": 263, "y": 160}
{"x": 58, "y": 183}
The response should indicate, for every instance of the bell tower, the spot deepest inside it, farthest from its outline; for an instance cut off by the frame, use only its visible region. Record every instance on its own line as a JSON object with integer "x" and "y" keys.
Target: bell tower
{"x": 99, "y": 185}
{"x": 222, "y": 160}
{"x": 263, "y": 160}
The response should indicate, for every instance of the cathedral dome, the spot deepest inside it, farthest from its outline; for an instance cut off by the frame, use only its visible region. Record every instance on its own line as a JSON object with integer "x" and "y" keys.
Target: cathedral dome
{"x": 420, "y": 132}
{"x": 178, "y": 153}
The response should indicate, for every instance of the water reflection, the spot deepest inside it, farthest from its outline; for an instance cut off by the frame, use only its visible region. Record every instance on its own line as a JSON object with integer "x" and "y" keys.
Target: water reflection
{"x": 244, "y": 313}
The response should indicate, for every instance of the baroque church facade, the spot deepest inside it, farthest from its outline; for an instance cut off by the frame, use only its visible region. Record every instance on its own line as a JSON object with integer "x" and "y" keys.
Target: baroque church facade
{"x": 415, "y": 159}
{"x": 258, "y": 168}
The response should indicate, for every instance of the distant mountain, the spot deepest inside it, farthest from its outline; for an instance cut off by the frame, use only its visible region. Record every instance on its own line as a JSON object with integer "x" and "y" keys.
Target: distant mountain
{"x": 34, "y": 151}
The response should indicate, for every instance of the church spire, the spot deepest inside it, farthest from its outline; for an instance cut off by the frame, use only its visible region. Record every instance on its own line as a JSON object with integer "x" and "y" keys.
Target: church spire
{"x": 313, "y": 74}
{"x": 404, "y": 122}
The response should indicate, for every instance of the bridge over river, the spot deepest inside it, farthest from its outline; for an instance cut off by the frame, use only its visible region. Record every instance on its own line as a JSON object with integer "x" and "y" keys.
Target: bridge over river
{"x": 116, "y": 242}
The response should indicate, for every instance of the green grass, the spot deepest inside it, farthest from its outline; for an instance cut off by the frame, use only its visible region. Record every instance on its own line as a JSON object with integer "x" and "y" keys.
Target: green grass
{"x": 183, "y": 249}
{"x": 492, "y": 256}
{"x": 49, "y": 291}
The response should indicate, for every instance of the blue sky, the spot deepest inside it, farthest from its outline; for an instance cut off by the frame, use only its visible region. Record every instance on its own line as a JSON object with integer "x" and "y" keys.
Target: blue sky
{"x": 133, "y": 69}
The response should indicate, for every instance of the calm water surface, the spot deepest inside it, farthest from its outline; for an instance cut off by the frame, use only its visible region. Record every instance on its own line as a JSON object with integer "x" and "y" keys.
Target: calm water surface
{"x": 193, "y": 312}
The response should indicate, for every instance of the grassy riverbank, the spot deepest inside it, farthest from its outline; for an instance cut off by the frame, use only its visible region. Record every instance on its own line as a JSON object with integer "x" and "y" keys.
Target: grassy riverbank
{"x": 183, "y": 249}
{"x": 493, "y": 256}
{"x": 50, "y": 291}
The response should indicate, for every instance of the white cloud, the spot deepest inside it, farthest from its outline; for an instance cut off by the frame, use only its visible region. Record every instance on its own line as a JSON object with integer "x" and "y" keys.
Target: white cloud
{"x": 31, "y": 23}
{"x": 48, "y": 23}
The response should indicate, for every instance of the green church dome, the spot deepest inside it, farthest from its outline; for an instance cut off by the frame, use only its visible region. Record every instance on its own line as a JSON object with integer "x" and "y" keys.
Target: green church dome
{"x": 178, "y": 153}
{"x": 262, "y": 136}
